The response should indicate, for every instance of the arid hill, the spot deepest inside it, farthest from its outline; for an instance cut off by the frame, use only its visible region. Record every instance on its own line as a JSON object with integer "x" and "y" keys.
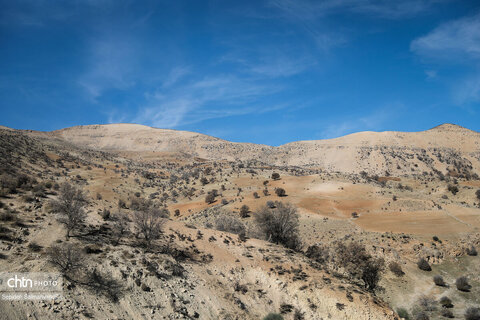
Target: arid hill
{"x": 444, "y": 148}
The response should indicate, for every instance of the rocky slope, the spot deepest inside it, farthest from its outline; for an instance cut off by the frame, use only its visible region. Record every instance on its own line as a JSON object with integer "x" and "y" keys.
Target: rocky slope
{"x": 444, "y": 148}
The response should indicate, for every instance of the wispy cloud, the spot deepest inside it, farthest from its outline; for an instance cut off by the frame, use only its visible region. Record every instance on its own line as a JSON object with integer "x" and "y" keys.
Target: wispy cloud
{"x": 310, "y": 9}
{"x": 455, "y": 43}
{"x": 110, "y": 64}
{"x": 211, "y": 97}
{"x": 453, "y": 40}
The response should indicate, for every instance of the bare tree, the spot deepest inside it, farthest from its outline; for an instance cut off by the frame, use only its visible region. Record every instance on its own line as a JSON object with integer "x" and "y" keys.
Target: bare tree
{"x": 70, "y": 205}
{"x": 121, "y": 227}
{"x": 279, "y": 224}
{"x": 359, "y": 264}
{"x": 149, "y": 223}
{"x": 68, "y": 258}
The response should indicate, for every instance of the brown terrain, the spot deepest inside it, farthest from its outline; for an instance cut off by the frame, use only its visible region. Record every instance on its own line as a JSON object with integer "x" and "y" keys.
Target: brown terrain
{"x": 402, "y": 196}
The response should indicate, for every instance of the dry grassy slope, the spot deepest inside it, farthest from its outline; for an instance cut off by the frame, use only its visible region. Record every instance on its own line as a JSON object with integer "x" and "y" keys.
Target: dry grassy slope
{"x": 373, "y": 152}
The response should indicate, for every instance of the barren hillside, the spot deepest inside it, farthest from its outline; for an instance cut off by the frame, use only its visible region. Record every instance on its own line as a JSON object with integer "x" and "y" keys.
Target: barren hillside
{"x": 446, "y": 147}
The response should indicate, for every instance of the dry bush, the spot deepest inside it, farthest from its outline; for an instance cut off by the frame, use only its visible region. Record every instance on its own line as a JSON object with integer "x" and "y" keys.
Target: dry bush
{"x": 149, "y": 223}
{"x": 472, "y": 314}
{"x": 427, "y": 303}
{"x": 424, "y": 265}
{"x": 70, "y": 205}
{"x": 359, "y": 264}
{"x": 280, "y": 192}
{"x": 68, "y": 258}
{"x": 229, "y": 224}
{"x": 280, "y": 224}
{"x": 319, "y": 253}
{"x": 472, "y": 251}
{"x": 210, "y": 198}
{"x": 462, "y": 284}
{"x": 121, "y": 227}
{"x": 244, "y": 210}
{"x": 103, "y": 283}
{"x": 396, "y": 268}
{"x": 447, "y": 314}
{"x": 446, "y": 302}
{"x": 438, "y": 280}
{"x": 422, "y": 316}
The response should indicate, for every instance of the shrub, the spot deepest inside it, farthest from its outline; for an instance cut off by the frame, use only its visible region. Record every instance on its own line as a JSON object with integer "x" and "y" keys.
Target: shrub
{"x": 255, "y": 195}
{"x": 472, "y": 313}
{"x": 359, "y": 264}
{"x": 121, "y": 227}
{"x": 424, "y": 265}
{"x": 35, "y": 247}
{"x": 280, "y": 192}
{"x": 462, "y": 284}
{"x": 229, "y": 224}
{"x": 149, "y": 222}
{"x": 438, "y": 280}
{"x": 403, "y": 313}
{"x": 447, "y": 313}
{"x": 210, "y": 198}
{"x": 453, "y": 189}
{"x": 70, "y": 205}
{"x": 280, "y": 224}
{"x": 422, "y": 316}
{"x": 244, "y": 210}
{"x": 68, "y": 258}
{"x": 275, "y": 176}
{"x": 318, "y": 253}
{"x": 477, "y": 193}
{"x": 270, "y": 204}
{"x": 446, "y": 302}
{"x": 427, "y": 303}
{"x": 273, "y": 316}
{"x": 396, "y": 269}
{"x": 472, "y": 251}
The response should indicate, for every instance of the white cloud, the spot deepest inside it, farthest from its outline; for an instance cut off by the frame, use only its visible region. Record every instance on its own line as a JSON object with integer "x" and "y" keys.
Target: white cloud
{"x": 112, "y": 61}
{"x": 452, "y": 40}
{"x": 455, "y": 42}
{"x": 310, "y": 9}
{"x": 215, "y": 96}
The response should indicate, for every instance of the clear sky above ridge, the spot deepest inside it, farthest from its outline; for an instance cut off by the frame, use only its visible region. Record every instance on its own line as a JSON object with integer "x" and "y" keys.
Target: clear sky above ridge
{"x": 269, "y": 72}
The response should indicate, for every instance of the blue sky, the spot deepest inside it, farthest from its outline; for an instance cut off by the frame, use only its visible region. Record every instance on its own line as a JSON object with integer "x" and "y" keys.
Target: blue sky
{"x": 270, "y": 72}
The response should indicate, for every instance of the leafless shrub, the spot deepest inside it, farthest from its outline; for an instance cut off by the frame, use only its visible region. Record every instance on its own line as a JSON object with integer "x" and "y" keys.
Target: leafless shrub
{"x": 472, "y": 313}
{"x": 438, "y": 280}
{"x": 319, "y": 253}
{"x": 396, "y": 268}
{"x": 472, "y": 251}
{"x": 149, "y": 222}
{"x": 210, "y": 198}
{"x": 229, "y": 224}
{"x": 359, "y": 264}
{"x": 280, "y": 192}
{"x": 427, "y": 303}
{"x": 70, "y": 205}
{"x": 462, "y": 284}
{"x": 121, "y": 227}
{"x": 280, "y": 224}
{"x": 446, "y": 302}
{"x": 424, "y": 265}
{"x": 103, "y": 283}
{"x": 68, "y": 258}
{"x": 244, "y": 210}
